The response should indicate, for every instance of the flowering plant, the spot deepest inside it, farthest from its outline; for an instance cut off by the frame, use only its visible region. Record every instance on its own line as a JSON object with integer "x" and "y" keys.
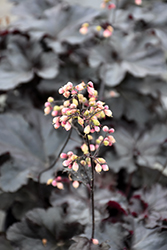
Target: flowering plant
{"x": 83, "y": 114}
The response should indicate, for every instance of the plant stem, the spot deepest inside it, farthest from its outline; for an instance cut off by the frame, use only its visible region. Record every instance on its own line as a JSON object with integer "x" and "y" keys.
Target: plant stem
{"x": 92, "y": 191}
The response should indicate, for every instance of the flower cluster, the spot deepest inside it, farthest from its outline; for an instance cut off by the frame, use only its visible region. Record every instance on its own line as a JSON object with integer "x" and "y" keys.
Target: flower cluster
{"x": 102, "y": 31}
{"x": 108, "y": 4}
{"x": 87, "y": 112}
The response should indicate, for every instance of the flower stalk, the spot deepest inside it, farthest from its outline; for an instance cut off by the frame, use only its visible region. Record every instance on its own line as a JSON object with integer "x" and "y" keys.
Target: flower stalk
{"x": 84, "y": 115}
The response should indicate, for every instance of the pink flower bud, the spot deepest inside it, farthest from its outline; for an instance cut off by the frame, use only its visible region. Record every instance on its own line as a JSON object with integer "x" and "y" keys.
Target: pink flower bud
{"x": 50, "y": 99}
{"x": 98, "y": 168}
{"x": 138, "y": 2}
{"x": 73, "y": 92}
{"x": 83, "y": 30}
{"x": 75, "y": 184}
{"x": 108, "y": 112}
{"x": 58, "y": 178}
{"x": 63, "y": 118}
{"x": 91, "y": 91}
{"x": 67, "y": 126}
{"x": 61, "y": 91}
{"x": 54, "y": 183}
{"x": 97, "y": 129}
{"x": 95, "y": 241}
{"x": 60, "y": 185}
{"x": 107, "y": 33}
{"x": 79, "y": 87}
{"x": 66, "y": 163}
{"x": 90, "y": 84}
{"x": 69, "y": 86}
{"x": 70, "y": 153}
{"x": 105, "y": 167}
{"x": 111, "y": 130}
{"x": 66, "y": 94}
{"x": 105, "y": 129}
{"x": 63, "y": 156}
{"x": 72, "y": 106}
{"x": 54, "y": 113}
{"x": 111, "y": 6}
{"x": 56, "y": 119}
{"x": 47, "y": 104}
{"x": 92, "y": 147}
{"x": 57, "y": 125}
{"x": 47, "y": 110}
{"x": 75, "y": 167}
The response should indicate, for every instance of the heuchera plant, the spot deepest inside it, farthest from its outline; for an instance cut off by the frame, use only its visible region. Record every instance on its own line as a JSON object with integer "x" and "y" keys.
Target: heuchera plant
{"x": 82, "y": 111}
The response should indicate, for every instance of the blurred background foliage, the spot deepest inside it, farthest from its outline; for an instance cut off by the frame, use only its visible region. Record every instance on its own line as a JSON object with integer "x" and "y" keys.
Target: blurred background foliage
{"x": 41, "y": 49}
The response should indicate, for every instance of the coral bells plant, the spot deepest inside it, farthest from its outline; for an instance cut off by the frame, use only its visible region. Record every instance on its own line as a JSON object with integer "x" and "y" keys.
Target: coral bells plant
{"x": 82, "y": 111}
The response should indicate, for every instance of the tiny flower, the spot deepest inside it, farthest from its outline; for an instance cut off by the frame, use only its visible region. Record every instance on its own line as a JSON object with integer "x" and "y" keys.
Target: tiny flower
{"x": 111, "y": 6}
{"x": 106, "y": 143}
{"x": 63, "y": 118}
{"x": 74, "y": 157}
{"x": 54, "y": 183}
{"x": 67, "y": 126}
{"x": 80, "y": 121}
{"x": 138, "y": 2}
{"x": 108, "y": 112}
{"x": 57, "y": 125}
{"x": 58, "y": 178}
{"x": 105, "y": 167}
{"x": 83, "y": 162}
{"x": 61, "y": 91}
{"x": 73, "y": 92}
{"x": 47, "y": 110}
{"x": 90, "y": 84}
{"x": 90, "y": 137}
{"x": 87, "y": 129}
{"x": 75, "y": 101}
{"x": 63, "y": 156}
{"x": 69, "y": 86}
{"x": 96, "y": 122}
{"x": 75, "y": 184}
{"x": 101, "y": 160}
{"x": 111, "y": 130}
{"x": 56, "y": 119}
{"x": 54, "y": 113}
{"x": 49, "y": 181}
{"x": 83, "y": 30}
{"x": 111, "y": 139}
{"x": 97, "y": 129}
{"x": 66, "y": 163}
{"x": 84, "y": 148}
{"x": 105, "y": 129}
{"x": 95, "y": 241}
{"x": 47, "y": 104}
{"x": 66, "y": 103}
{"x": 92, "y": 147}
{"x": 50, "y": 99}
{"x": 91, "y": 91}
{"x": 66, "y": 94}
{"x": 60, "y": 185}
{"x": 98, "y": 168}
{"x": 70, "y": 153}
{"x": 75, "y": 167}
{"x": 79, "y": 87}
{"x": 107, "y": 33}
{"x": 56, "y": 108}
{"x": 98, "y": 28}
{"x": 103, "y": 5}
